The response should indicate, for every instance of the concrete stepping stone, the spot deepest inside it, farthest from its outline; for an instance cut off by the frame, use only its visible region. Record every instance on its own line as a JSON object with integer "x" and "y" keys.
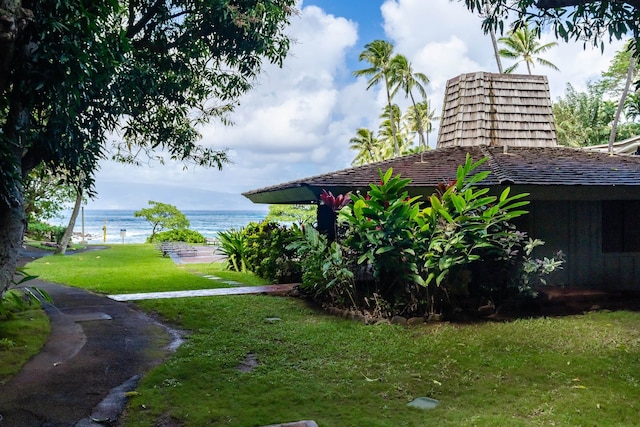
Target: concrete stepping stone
{"x": 307, "y": 423}
{"x": 423, "y": 403}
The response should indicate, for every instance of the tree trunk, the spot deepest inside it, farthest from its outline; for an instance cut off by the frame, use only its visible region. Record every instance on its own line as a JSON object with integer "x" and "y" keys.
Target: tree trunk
{"x": 616, "y": 118}
{"x": 62, "y": 248}
{"x": 421, "y": 140}
{"x": 396, "y": 147}
{"x": 495, "y": 49}
{"x": 12, "y": 226}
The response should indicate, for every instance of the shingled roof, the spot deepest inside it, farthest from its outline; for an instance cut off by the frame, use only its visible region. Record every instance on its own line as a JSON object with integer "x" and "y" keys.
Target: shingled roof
{"x": 554, "y": 172}
{"x": 497, "y": 109}
{"x": 506, "y": 118}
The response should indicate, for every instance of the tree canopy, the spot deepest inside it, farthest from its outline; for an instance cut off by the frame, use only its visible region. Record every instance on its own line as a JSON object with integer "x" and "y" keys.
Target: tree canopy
{"x": 592, "y": 21}
{"x": 146, "y": 72}
{"x": 162, "y": 216}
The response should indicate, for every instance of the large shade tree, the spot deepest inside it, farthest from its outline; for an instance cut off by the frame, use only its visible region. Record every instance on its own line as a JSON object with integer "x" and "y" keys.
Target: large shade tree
{"x": 592, "y": 21}
{"x": 147, "y": 71}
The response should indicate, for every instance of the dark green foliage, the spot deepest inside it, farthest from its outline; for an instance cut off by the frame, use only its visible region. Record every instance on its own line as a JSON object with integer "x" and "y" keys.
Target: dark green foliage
{"x": 268, "y": 254}
{"x": 382, "y": 231}
{"x": 233, "y": 244}
{"x": 149, "y": 72}
{"x": 42, "y": 231}
{"x": 398, "y": 258}
{"x": 180, "y": 235}
{"x": 326, "y": 271}
{"x": 162, "y": 216}
{"x": 595, "y": 22}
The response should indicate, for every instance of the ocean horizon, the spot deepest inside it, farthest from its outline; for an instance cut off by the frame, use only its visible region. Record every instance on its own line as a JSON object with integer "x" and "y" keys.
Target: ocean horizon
{"x": 123, "y": 227}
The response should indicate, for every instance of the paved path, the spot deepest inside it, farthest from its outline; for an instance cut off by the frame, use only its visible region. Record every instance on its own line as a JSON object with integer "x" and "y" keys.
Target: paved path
{"x": 96, "y": 344}
{"x": 98, "y": 350}
{"x": 238, "y": 290}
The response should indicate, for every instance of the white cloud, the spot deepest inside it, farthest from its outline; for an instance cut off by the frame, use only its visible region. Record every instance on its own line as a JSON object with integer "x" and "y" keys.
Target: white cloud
{"x": 298, "y": 120}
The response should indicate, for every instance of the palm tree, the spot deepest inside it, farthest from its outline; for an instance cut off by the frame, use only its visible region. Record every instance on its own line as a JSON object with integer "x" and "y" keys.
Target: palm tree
{"x": 523, "y": 43}
{"x": 625, "y": 91}
{"x": 421, "y": 116}
{"x": 403, "y": 77}
{"x": 632, "y": 106}
{"x": 391, "y": 122}
{"x": 378, "y": 55}
{"x": 367, "y": 146}
{"x": 486, "y": 13}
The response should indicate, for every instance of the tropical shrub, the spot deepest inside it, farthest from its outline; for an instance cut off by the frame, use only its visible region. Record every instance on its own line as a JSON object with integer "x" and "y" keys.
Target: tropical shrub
{"x": 382, "y": 231}
{"x": 326, "y": 273}
{"x": 460, "y": 251}
{"x": 463, "y": 225}
{"x": 178, "y": 235}
{"x": 267, "y": 253}
{"x": 41, "y": 231}
{"x": 233, "y": 244}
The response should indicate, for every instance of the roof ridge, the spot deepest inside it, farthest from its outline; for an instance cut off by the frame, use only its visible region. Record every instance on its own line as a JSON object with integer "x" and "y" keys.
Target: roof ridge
{"x": 495, "y": 167}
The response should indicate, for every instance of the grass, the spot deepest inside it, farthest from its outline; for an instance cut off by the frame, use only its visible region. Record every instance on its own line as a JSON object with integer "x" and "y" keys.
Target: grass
{"x": 574, "y": 370}
{"x": 22, "y": 335}
{"x": 130, "y": 269}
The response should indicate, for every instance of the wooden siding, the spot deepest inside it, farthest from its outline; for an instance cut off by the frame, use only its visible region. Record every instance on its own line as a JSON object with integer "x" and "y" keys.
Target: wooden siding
{"x": 497, "y": 110}
{"x": 575, "y": 227}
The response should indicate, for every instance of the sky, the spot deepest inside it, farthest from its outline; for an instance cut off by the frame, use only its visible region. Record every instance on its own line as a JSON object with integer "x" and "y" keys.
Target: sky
{"x": 298, "y": 119}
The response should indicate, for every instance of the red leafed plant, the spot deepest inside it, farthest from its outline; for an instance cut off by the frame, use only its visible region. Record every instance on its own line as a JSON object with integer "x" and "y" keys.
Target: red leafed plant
{"x": 335, "y": 202}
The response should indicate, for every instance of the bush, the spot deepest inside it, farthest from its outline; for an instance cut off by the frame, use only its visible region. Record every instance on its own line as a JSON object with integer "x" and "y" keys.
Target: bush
{"x": 267, "y": 253}
{"x": 233, "y": 244}
{"x": 326, "y": 273}
{"x": 398, "y": 258}
{"x": 42, "y": 231}
{"x": 181, "y": 235}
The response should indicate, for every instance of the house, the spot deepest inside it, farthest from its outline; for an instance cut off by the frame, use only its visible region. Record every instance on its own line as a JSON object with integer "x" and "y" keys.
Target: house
{"x": 626, "y": 146}
{"x": 584, "y": 203}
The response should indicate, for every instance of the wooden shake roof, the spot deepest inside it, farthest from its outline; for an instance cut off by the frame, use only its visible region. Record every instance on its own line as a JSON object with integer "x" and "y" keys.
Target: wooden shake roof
{"x": 566, "y": 171}
{"x": 497, "y": 109}
{"x": 506, "y": 118}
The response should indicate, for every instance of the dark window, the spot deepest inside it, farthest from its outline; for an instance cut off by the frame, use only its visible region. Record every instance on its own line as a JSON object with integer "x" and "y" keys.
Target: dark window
{"x": 621, "y": 226}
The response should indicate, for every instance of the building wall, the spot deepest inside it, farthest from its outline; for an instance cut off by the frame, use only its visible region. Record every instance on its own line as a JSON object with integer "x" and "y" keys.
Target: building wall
{"x": 575, "y": 227}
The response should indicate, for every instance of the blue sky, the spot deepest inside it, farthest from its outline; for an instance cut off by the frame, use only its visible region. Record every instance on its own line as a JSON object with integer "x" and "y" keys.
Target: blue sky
{"x": 298, "y": 120}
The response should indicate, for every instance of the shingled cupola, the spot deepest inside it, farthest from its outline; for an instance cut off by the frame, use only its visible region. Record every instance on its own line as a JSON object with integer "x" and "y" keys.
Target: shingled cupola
{"x": 497, "y": 110}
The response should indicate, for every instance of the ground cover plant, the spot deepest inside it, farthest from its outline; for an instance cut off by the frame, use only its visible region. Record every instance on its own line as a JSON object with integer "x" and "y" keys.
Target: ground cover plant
{"x": 131, "y": 269}
{"x": 572, "y": 370}
{"x": 23, "y": 332}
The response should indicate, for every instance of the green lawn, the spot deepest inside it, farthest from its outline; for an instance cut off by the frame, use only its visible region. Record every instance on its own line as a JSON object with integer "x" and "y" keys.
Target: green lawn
{"x": 566, "y": 371}
{"x": 130, "y": 269}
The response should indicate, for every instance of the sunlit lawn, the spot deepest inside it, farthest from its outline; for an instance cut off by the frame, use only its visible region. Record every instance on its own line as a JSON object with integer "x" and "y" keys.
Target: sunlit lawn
{"x": 130, "y": 269}
{"x": 568, "y": 371}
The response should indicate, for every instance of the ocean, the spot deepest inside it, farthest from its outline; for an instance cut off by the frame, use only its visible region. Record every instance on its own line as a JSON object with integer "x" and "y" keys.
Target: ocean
{"x": 123, "y": 227}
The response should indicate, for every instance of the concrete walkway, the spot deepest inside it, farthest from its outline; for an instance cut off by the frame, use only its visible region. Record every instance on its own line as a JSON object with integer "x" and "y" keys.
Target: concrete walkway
{"x": 238, "y": 290}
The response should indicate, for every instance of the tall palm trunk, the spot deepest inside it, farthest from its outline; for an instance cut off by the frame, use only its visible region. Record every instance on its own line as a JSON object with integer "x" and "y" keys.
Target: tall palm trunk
{"x": 495, "y": 50}
{"x": 396, "y": 147}
{"x": 616, "y": 118}
{"x": 420, "y": 128}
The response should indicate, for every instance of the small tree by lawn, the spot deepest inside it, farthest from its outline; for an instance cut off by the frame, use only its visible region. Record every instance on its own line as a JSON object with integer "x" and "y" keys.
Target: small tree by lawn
{"x": 162, "y": 216}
